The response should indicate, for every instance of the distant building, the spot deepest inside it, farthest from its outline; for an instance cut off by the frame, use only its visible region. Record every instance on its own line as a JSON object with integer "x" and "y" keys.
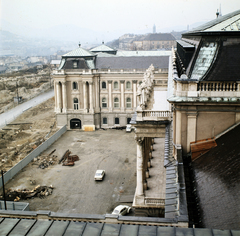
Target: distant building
{"x": 154, "y": 42}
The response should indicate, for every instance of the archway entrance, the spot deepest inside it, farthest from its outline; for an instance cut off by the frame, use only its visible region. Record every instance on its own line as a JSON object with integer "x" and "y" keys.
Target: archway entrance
{"x": 75, "y": 124}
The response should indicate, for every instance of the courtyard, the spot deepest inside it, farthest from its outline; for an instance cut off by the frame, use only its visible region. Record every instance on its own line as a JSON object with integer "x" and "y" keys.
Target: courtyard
{"x": 75, "y": 190}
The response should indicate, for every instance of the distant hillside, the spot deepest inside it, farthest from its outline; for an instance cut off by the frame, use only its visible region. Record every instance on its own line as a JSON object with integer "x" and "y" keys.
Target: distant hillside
{"x": 127, "y": 38}
{"x": 13, "y": 44}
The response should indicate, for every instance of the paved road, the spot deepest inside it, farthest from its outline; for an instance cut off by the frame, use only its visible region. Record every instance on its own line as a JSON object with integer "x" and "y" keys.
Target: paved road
{"x": 12, "y": 114}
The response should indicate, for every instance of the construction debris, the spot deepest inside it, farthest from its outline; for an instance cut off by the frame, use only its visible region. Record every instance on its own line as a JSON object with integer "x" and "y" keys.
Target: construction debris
{"x": 22, "y": 194}
{"x": 44, "y": 161}
{"x": 64, "y": 157}
{"x": 68, "y": 160}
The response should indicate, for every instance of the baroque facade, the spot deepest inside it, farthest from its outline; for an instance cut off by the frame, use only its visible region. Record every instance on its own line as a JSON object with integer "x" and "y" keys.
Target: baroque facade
{"x": 97, "y": 88}
{"x": 205, "y": 88}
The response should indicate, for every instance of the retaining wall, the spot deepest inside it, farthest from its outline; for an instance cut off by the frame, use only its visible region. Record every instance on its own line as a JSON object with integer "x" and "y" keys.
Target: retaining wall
{"x": 36, "y": 152}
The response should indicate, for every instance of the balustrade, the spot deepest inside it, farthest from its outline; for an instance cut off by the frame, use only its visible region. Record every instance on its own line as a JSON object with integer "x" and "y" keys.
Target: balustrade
{"x": 147, "y": 113}
{"x": 217, "y": 86}
{"x": 154, "y": 201}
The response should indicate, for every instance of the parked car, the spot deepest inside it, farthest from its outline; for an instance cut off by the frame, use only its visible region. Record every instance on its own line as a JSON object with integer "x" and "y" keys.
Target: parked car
{"x": 99, "y": 174}
{"x": 121, "y": 210}
{"x": 129, "y": 128}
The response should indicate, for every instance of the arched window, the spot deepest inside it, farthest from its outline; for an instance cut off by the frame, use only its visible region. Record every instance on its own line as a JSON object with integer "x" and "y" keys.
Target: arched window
{"x": 116, "y": 121}
{"x": 115, "y": 85}
{"x": 104, "y": 102}
{"x": 75, "y": 85}
{"x": 104, "y": 86}
{"x": 105, "y": 120}
{"x": 116, "y": 102}
{"x": 128, "y": 103}
{"x": 128, "y": 85}
{"x": 75, "y": 104}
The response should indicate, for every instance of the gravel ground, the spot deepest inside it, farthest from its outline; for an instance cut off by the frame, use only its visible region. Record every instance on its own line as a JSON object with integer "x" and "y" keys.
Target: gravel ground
{"x": 75, "y": 190}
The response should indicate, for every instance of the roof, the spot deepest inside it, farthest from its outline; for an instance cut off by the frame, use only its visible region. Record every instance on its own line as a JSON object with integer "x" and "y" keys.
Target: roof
{"x": 185, "y": 44}
{"x": 229, "y": 22}
{"x": 160, "y": 37}
{"x": 217, "y": 182}
{"x": 102, "y": 48}
{"x": 136, "y": 53}
{"x": 16, "y": 226}
{"x": 79, "y": 52}
{"x": 132, "y": 62}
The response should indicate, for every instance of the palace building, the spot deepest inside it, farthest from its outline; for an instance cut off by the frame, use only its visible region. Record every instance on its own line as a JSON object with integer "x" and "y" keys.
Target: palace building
{"x": 97, "y": 88}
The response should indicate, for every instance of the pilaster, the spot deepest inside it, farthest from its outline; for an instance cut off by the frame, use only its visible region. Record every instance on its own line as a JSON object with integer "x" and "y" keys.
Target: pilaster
{"x": 59, "y": 98}
{"x": 134, "y": 93}
{"x": 91, "y": 97}
{"x": 191, "y": 128}
{"x": 85, "y": 106}
{"x": 122, "y": 95}
{"x": 110, "y": 95}
{"x": 64, "y": 93}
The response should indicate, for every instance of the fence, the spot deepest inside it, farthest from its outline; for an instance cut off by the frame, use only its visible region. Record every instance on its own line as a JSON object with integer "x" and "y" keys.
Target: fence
{"x": 20, "y": 165}
{"x": 14, "y": 206}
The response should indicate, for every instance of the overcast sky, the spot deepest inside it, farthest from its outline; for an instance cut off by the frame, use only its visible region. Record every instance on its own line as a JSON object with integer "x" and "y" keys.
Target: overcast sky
{"x": 111, "y": 15}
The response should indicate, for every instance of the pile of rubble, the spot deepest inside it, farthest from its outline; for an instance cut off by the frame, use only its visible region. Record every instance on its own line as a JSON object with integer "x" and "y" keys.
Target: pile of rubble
{"x": 22, "y": 194}
{"x": 44, "y": 161}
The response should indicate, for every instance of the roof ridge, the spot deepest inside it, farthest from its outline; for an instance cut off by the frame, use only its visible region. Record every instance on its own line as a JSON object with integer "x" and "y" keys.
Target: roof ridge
{"x": 214, "y": 22}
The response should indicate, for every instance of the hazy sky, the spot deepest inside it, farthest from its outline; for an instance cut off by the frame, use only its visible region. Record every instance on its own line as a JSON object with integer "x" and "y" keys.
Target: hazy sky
{"x": 112, "y": 15}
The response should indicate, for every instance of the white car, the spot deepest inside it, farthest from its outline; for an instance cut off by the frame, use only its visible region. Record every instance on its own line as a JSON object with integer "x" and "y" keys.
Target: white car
{"x": 121, "y": 210}
{"x": 128, "y": 128}
{"x": 99, "y": 174}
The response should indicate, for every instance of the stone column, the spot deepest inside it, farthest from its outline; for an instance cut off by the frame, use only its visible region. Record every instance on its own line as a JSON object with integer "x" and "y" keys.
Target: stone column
{"x": 91, "y": 97}
{"x": 64, "y": 93}
{"x": 134, "y": 93}
{"x": 85, "y": 100}
{"x": 110, "y": 95}
{"x": 59, "y": 98}
{"x": 139, "y": 189}
{"x": 191, "y": 128}
{"x": 97, "y": 92}
{"x": 122, "y": 95}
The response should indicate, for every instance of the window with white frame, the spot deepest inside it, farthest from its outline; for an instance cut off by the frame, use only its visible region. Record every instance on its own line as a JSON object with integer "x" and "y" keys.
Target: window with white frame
{"x": 75, "y": 104}
{"x": 128, "y": 103}
{"x": 104, "y": 102}
{"x": 116, "y": 102}
{"x": 104, "y": 86}
{"x": 128, "y": 85}
{"x": 115, "y": 85}
{"x": 75, "y": 85}
{"x": 105, "y": 120}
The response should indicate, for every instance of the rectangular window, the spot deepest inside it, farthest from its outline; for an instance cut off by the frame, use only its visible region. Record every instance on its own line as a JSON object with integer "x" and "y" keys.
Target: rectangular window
{"x": 116, "y": 121}
{"x": 75, "y": 106}
{"x": 105, "y": 121}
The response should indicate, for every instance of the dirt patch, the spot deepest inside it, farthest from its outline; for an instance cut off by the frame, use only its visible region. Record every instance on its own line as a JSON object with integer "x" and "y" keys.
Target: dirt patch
{"x": 26, "y": 133}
